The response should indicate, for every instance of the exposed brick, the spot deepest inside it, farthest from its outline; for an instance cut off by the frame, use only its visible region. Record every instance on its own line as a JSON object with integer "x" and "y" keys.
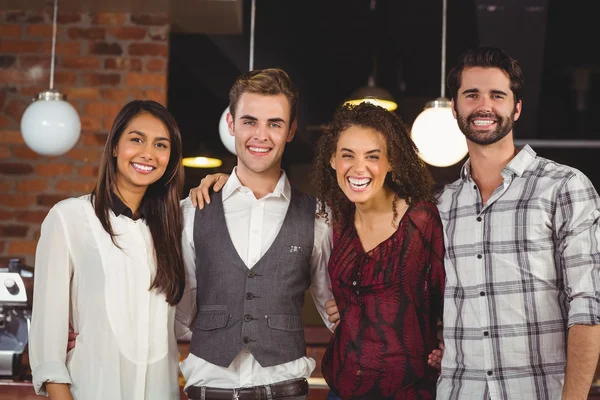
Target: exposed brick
{"x": 68, "y": 17}
{"x": 88, "y": 171}
{"x": 62, "y": 78}
{"x": 11, "y": 137}
{"x": 106, "y": 49}
{"x": 136, "y": 79}
{"x": 80, "y": 62}
{"x": 150, "y": 19}
{"x": 6, "y": 215}
{"x": 2, "y": 246}
{"x": 62, "y": 48}
{"x": 50, "y": 200}
{"x": 33, "y": 217}
{"x": 22, "y": 247}
{"x": 31, "y": 91}
{"x": 107, "y": 124}
{"x": 97, "y": 79}
{"x": 27, "y": 62}
{"x": 11, "y": 75}
{"x": 156, "y": 65}
{"x": 156, "y": 95}
{"x": 15, "y": 16}
{"x": 107, "y": 18}
{"x": 5, "y": 187}
{"x": 15, "y": 109}
{"x": 94, "y": 139}
{"x": 5, "y": 152}
{"x": 128, "y": 32}
{"x": 13, "y": 31}
{"x": 41, "y": 30}
{"x": 159, "y": 33}
{"x": 94, "y": 33}
{"x": 102, "y": 109}
{"x": 148, "y": 49}
{"x": 7, "y": 61}
{"x": 120, "y": 63}
{"x": 81, "y": 93}
{"x": 2, "y": 98}
{"x": 76, "y": 187}
{"x": 34, "y": 18}
{"x": 32, "y": 185}
{"x": 3, "y": 121}
{"x": 85, "y": 155}
{"x": 13, "y": 230}
{"x": 25, "y": 153}
{"x": 53, "y": 169}
{"x": 90, "y": 123}
{"x": 15, "y": 168}
{"x": 19, "y": 46}
{"x": 121, "y": 96}
{"x": 17, "y": 200}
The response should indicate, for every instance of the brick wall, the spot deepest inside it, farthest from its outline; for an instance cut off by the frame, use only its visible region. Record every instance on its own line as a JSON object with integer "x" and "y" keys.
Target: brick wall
{"x": 103, "y": 60}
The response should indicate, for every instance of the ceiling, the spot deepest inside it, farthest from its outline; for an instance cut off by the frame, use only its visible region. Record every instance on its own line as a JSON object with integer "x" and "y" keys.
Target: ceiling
{"x": 328, "y": 48}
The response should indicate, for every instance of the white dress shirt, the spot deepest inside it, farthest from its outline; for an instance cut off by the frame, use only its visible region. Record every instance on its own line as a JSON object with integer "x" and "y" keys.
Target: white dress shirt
{"x": 253, "y": 225}
{"x": 126, "y": 348}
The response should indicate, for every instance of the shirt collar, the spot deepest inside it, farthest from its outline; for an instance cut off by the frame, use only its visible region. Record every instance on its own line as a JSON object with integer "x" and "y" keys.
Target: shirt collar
{"x": 119, "y": 208}
{"x": 517, "y": 166}
{"x": 233, "y": 185}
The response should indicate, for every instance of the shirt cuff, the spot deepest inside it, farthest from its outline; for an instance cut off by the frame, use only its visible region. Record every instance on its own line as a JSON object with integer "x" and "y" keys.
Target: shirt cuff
{"x": 49, "y": 372}
{"x": 584, "y": 311}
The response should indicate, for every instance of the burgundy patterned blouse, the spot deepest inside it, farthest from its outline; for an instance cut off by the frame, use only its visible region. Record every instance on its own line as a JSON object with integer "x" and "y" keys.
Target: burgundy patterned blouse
{"x": 389, "y": 300}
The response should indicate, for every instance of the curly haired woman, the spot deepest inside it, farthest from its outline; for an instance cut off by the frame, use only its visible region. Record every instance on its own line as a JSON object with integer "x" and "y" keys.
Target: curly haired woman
{"x": 386, "y": 267}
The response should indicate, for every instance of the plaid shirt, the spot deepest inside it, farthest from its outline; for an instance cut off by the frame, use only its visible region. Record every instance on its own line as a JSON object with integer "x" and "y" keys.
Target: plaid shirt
{"x": 519, "y": 271}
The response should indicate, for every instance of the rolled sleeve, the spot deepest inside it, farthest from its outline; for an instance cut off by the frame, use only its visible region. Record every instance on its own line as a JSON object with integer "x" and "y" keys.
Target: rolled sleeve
{"x": 51, "y": 304}
{"x": 578, "y": 234}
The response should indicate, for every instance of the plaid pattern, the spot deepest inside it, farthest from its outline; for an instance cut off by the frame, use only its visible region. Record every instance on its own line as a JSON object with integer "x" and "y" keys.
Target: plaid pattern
{"x": 519, "y": 271}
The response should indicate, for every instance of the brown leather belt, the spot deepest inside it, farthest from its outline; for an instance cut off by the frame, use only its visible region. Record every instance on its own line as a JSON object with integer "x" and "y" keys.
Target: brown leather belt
{"x": 280, "y": 390}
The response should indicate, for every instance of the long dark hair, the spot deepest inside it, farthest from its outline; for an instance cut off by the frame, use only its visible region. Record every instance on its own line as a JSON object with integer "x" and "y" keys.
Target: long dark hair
{"x": 409, "y": 178}
{"x": 161, "y": 200}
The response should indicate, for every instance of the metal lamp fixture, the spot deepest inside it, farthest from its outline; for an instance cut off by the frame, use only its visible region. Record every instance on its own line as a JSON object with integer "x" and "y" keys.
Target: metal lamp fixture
{"x": 372, "y": 93}
{"x": 50, "y": 125}
{"x": 435, "y": 131}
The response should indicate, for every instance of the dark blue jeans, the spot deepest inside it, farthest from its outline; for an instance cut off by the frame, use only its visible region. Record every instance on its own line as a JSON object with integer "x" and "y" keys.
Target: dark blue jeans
{"x": 333, "y": 395}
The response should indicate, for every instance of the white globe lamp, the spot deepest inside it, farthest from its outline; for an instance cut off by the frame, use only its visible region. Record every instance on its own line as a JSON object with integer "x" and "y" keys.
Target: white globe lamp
{"x": 226, "y": 138}
{"x": 436, "y": 134}
{"x": 50, "y": 125}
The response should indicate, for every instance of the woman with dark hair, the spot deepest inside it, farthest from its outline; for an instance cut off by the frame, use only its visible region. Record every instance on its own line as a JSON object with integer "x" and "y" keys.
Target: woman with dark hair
{"x": 386, "y": 266}
{"x": 110, "y": 264}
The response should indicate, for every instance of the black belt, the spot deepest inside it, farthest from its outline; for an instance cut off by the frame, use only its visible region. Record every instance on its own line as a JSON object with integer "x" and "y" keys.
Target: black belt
{"x": 281, "y": 390}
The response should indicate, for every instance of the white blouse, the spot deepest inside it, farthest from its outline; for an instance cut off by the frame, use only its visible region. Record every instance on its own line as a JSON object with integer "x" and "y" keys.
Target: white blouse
{"x": 126, "y": 348}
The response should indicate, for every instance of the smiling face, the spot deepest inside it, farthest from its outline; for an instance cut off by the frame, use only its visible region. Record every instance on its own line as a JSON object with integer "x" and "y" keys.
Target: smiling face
{"x": 261, "y": 128}
{"x": 361, "y": 163}
{"x": 142, "y": 153}
{"x": 484, "y": 106}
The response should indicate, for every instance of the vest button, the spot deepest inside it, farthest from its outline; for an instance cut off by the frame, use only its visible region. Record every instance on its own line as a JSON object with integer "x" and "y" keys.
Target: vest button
{"x": 251, "y": 274}
{"x": 249, "y": 296}
{"x": 246, "y": 340}
{"x": 247, "y": 317}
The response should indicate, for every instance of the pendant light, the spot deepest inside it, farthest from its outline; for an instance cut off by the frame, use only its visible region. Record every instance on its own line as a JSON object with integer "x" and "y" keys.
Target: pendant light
{"x": 372, "y": 93}
{"x": 50, "y": 125}
{"x": 435, "y": 131}
{"x": 226, "y": 138}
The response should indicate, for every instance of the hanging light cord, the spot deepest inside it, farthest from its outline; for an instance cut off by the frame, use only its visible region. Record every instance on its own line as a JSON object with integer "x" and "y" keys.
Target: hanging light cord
{"x": 53, "y": 45}
{"x": 252, "y": 26}
{"x": 444, "y": 10}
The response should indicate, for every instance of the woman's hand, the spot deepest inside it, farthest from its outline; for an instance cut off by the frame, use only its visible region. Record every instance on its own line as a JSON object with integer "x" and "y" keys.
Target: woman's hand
{"x": 200, "y": 195}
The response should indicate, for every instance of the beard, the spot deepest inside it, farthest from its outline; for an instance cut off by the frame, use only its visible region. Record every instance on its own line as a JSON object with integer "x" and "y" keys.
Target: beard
{"x": 503, "y": 126}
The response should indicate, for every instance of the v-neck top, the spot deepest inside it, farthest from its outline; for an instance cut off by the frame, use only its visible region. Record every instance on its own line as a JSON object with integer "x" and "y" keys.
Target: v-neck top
{"x": 390, "y": 299}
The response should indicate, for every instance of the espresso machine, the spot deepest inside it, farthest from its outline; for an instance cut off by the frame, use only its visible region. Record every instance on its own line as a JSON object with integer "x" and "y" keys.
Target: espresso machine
{"x": 15, "y": 318}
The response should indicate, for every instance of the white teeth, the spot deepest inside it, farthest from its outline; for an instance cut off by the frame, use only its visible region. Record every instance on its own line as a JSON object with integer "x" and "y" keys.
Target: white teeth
{"x": 143, "y": 167}
{"x": 482, "y": 122}
{"x": 359, "y": 183}
{"x": 258, "y": 149}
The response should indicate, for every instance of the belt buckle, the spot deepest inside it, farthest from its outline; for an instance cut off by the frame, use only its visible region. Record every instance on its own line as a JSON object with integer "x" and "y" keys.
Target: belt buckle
{"x": 236, "y": 395}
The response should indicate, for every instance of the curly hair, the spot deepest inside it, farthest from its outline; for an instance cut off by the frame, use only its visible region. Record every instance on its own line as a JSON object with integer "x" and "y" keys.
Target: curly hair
{"x": 409, "y": 178}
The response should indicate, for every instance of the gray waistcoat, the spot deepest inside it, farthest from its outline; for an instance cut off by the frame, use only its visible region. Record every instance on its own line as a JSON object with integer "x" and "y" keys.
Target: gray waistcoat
{"x": 259, "y": 308}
